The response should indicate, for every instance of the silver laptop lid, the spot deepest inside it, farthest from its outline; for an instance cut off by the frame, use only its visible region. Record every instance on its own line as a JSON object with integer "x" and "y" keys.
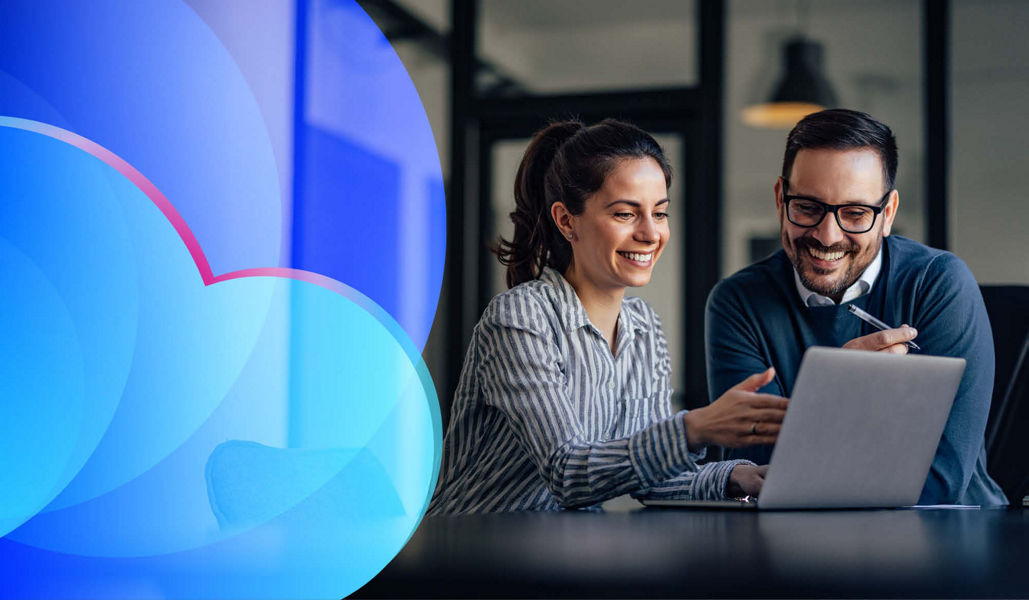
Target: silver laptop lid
{"x": 861, "y": 429}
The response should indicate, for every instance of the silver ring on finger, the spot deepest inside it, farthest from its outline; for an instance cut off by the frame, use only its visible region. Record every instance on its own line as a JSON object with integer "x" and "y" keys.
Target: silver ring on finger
{"x": 753, "y": 428}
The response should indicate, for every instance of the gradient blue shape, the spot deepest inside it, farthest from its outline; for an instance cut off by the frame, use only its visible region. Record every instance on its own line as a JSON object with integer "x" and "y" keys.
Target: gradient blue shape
{"x": 369, "y": 206}
{"x": 205, "y": 364}
{"x": 347, "y": 193}
{"x": 113, "y": 401}
{"x": 39, "y": 334}
{"x": 150, "y": 81}
{"x": 68, "y": 342}
{"x": 153, "y": 83}
{"x": 250, "y": 483}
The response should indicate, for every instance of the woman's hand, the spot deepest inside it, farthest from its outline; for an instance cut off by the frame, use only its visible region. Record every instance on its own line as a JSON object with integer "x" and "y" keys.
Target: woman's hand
{"x": 741, "y": 417}
{"x": 745, "y": 480}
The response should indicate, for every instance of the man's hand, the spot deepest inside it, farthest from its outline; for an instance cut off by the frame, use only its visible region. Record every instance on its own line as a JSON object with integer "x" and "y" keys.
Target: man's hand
{"x": 740, "y": 417}
{"x": 888, "y": 340}
{"x": 745, "y": 480}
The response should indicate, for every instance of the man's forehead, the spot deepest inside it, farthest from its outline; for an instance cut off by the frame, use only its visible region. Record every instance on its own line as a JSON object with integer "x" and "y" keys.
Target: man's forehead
{"x": 859, "y": 169}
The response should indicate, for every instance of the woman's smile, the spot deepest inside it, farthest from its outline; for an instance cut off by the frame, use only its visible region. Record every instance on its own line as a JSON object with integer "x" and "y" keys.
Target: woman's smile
{"x": 639, "y": 259}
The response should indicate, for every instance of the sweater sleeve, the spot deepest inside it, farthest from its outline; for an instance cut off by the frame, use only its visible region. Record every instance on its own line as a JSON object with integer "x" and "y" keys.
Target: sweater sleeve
{"x": 951, "y": 320}
{"x": 734, "y": 352}
{"x": 522, "y": 376}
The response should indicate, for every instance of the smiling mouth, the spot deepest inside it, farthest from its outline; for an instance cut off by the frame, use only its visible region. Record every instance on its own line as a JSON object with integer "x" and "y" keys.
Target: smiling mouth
{"x": 638, "y": 257}
{"x": 826, "y": 256}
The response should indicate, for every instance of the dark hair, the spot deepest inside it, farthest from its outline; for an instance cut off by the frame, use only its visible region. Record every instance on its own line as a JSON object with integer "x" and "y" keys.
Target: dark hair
{"x": 565, "y": 162}
{"x": 842, "y": 129}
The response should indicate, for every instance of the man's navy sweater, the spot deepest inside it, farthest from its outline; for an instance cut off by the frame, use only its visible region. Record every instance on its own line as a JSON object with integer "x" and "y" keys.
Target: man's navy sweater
{"x": 756, "y": 319}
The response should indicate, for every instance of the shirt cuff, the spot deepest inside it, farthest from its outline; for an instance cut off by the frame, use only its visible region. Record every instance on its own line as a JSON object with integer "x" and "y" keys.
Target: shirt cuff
{"x": 720, "y": 476}
{"x": 660, "y": 451}
{"x": 696, "y": 456}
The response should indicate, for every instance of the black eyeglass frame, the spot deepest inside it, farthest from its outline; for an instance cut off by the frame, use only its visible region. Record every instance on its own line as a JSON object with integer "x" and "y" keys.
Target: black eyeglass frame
{"x": 832, "y": 208}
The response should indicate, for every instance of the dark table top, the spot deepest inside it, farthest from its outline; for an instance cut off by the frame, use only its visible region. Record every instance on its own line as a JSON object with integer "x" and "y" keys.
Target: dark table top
{"x": 710, "y": 553}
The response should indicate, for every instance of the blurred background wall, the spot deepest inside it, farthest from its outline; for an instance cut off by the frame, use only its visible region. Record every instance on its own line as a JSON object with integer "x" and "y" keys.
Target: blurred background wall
{"x": 950, "y": 78}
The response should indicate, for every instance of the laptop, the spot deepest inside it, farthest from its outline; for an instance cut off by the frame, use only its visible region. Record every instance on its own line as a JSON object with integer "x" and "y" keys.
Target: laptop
{"x": 861, "y": 431}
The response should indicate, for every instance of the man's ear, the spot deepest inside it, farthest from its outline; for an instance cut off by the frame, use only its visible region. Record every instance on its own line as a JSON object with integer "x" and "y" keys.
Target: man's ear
{"x": 890, "y": 212}
{"x": 777, "y": 189}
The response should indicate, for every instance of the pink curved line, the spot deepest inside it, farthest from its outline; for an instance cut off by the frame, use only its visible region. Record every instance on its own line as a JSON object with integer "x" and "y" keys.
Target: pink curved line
{"x": 132, "y": 174}
{"x": 165, "y": 206}
{"x": 207, "y": 276}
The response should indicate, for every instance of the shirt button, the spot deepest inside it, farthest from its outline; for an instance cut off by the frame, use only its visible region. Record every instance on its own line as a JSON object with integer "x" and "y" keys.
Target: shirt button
{"x": 611, "y": 385}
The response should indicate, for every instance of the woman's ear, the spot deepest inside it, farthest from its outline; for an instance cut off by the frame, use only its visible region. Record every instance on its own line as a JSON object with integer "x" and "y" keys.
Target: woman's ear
{"x": 563, "y": 220}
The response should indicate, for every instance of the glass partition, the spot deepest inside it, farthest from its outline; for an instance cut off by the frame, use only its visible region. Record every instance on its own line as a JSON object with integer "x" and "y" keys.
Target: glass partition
{"x": 988, "y": 210}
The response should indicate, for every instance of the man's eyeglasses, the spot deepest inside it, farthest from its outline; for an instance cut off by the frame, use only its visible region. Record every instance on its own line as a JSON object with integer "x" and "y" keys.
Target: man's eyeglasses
{"x": 852, "y": 218}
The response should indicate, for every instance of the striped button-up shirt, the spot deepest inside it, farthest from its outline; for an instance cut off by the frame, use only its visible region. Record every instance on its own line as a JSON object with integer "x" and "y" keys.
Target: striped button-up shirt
{"x": 546, "y": 417}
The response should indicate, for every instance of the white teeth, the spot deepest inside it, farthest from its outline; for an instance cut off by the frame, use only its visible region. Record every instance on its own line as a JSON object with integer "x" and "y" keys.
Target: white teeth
{"x": 636, "y": 256}
{"x": 825, "y": 255}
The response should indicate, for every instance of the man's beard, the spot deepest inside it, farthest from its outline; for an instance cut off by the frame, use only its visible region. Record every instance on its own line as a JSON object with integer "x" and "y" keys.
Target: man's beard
{"x": 837, "y": 286}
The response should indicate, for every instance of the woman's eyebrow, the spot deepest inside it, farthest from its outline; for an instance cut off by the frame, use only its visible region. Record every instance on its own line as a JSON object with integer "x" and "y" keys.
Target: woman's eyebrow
{"x": 634, "y": 203}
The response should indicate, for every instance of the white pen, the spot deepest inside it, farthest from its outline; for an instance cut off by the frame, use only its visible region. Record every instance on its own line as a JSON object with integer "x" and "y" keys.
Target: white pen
{"x": 867, "y": 318}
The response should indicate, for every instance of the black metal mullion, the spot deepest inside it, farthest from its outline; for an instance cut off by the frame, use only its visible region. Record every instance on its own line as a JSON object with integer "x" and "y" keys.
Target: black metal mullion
{"x": 486, "y": 229}
{"x": 703, "y": 227}
{"x": 668, "y": 103}
{"x": 399, "y": 24}
{"x": 459, "y": 275}
{"x": 936, "y": 36}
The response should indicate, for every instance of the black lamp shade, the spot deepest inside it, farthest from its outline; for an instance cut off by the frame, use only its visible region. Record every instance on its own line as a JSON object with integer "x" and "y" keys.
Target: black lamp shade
{"x": 802, "y": 90}
{"x": 802, "y": 80}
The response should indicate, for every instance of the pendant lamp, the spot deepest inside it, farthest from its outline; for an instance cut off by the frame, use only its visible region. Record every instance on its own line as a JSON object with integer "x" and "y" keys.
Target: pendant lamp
{"x": 802, "y": 90}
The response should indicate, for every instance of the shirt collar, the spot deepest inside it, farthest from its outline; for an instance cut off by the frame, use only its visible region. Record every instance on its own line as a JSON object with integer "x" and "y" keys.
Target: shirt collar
{"x": 858, "y": 289}
{"x": 637, "y": 321}
{"x": 573, "y": 313}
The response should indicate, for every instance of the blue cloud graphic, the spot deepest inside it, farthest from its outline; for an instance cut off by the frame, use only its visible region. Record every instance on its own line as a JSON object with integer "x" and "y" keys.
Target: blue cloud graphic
{"x": 200, "y": 96}
{"x": 259, "y": 437}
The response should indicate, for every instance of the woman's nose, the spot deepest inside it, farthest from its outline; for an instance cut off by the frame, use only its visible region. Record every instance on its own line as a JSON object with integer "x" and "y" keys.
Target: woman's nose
{"x": 647, "y": 230}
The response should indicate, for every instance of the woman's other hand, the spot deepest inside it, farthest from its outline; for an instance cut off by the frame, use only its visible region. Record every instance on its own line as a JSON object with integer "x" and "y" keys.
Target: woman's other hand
{"x": 740, "y": 417}
{"x": 745, "y": 480}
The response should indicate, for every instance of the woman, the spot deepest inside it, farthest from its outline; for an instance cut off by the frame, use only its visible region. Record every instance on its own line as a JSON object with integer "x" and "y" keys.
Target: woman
{"x": 563, "y": 400}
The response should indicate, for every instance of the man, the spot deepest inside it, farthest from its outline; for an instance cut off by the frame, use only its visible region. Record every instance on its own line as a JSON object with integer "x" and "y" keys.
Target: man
{"x": 836, "y": 204}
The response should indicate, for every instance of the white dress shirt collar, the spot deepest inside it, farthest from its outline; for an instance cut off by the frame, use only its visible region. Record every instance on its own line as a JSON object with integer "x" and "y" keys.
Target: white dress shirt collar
{"x": 860, "y": 287}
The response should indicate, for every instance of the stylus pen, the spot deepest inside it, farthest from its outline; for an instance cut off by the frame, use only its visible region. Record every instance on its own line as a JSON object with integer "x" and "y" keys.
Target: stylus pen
{"x": 867, "y": 318}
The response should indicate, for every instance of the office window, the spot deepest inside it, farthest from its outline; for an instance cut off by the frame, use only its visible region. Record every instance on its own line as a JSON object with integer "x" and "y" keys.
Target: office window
{"x": 543, "y": 46}
{"x": 988, "y": 210}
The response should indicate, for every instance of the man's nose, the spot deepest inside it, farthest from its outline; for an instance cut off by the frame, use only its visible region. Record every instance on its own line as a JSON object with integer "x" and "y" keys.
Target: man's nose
{"x": 828, "y": 232}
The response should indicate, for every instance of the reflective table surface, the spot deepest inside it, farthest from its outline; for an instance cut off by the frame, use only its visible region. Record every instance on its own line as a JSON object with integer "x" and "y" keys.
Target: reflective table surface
{"x": 715, "y": 553}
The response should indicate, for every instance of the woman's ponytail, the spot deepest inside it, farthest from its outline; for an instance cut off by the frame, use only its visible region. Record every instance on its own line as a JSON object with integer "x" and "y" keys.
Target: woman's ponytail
{"x": 535, "y": 235}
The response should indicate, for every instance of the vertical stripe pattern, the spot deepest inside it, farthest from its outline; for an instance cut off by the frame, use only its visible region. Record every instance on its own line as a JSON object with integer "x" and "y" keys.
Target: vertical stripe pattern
{"x": 546, "y": 417}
